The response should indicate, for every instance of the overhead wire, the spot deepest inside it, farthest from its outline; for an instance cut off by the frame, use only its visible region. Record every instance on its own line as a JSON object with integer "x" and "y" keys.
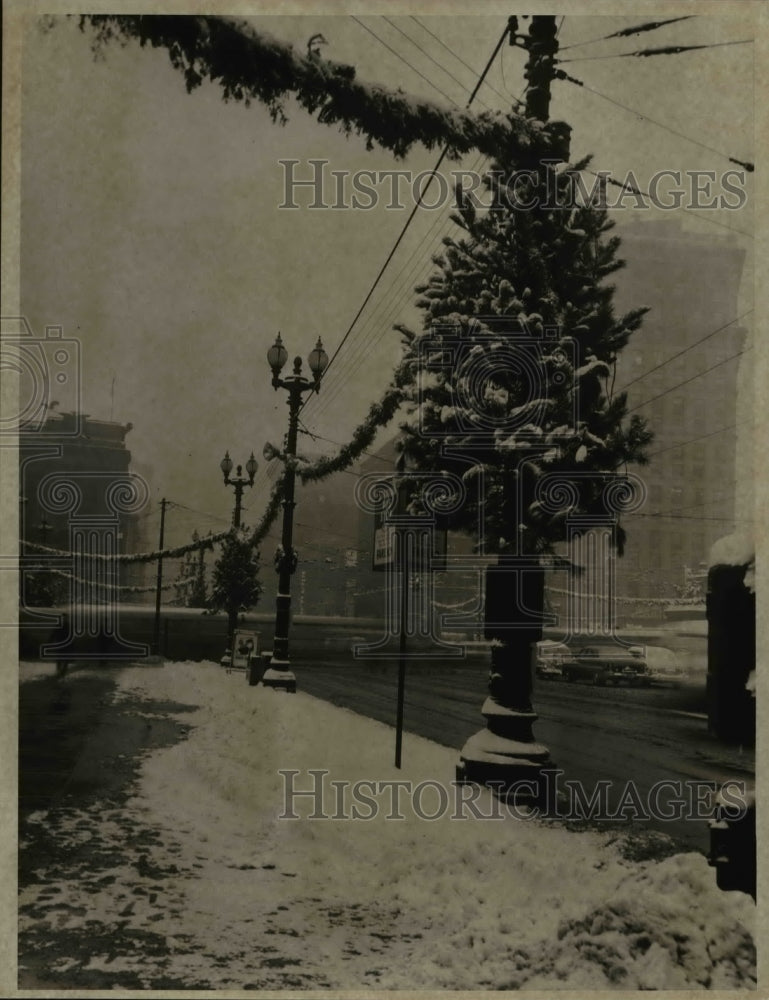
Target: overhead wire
{"x": 419, "y": 201}
{"x": 481, "y": 80}
{"x": 639, "y": 114}
{"x": 404, "y": 60}
{"x": 374, "y": 318}
{"x": 626, "y": 32}
{"x": 690, "y": 211}
{"x": 685, "y": 350}
{"x": 456, "y": 56}
{"x": 700, "y": 437}
{"x": 665, "y": 50}
{"x": 692, "y": 378}
{"x": 428, "y": 56}
{"x": 630, "y": 110}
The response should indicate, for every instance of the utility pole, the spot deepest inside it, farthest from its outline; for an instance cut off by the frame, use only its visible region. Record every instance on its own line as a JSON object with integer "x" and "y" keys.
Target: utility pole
{"x": 156, "y": 635}
{"x": 505, "y": 752}
{"x": 542, "y": 45}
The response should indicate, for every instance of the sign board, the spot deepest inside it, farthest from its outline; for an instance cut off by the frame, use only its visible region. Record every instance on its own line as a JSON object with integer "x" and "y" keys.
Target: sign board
{"x": 245, "y": 645}
{"x": 384, "y": 544}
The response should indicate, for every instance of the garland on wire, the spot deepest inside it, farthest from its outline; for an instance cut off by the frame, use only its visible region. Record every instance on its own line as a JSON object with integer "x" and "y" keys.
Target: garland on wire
{"x": 271, "y": 512}
{"x": 379, "y": 414}
{"x": 252, "y": 65}
{"x": 110, "y": 586}
{"x": 141, "y": 557}
{"x": 273, "y": 506}
{"x": 649, "y": 601}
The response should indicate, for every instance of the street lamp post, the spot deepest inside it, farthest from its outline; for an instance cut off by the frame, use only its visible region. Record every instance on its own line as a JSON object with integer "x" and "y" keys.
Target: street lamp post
{"x": 279, "y": 673}
{"x": 239, "y": 483}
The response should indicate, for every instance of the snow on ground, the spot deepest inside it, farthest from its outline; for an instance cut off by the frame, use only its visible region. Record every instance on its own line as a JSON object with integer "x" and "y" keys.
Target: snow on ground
{"x": 209, "y": 888}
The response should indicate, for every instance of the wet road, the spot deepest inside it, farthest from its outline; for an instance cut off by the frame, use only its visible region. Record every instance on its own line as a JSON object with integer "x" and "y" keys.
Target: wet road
{"x": 616, "y": 735}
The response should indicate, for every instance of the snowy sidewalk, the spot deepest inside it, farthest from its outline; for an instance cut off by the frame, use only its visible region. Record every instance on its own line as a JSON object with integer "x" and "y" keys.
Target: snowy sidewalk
{"x": 198, "y": 883}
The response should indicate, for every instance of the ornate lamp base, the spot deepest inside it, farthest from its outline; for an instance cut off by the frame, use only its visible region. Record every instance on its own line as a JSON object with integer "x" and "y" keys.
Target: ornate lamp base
{"x": 505, "y": 756}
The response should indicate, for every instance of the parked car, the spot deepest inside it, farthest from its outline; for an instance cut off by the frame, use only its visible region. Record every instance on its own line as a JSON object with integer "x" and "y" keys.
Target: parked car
{"x": 548, "y": 657}
{"x": 608, "y": 664}
{"x": 663, "y": 665}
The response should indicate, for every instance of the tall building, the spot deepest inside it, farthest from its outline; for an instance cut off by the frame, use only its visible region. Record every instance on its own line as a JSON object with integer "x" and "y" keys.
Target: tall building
{"x": 680, "y": 373}
{"x": 72, "y": 476}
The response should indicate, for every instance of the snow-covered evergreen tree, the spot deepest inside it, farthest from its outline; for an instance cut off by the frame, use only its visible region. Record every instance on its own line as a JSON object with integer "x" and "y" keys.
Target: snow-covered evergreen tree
{"x": 514, "y": 367}
{"x": 235, "y": 585}
{"x": 510, "y": 384}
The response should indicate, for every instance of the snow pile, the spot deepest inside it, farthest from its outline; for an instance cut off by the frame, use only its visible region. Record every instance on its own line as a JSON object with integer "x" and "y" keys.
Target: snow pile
{"x": 733, "y": 550}
{"x": 235, "y": 896}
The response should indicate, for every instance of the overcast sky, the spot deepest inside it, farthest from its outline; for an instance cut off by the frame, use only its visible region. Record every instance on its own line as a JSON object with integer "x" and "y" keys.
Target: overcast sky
{"x": 151, "y": 229}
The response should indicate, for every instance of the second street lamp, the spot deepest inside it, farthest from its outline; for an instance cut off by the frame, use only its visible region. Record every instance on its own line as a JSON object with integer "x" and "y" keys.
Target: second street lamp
{"x": 279, "y": 673}
{"x": 239, "y": 482}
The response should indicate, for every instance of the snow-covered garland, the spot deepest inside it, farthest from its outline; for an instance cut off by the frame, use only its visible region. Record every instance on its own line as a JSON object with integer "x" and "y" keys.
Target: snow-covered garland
{"x": 273, "y": 506}
{"x": 648, "y": 601}
{"x": 140, "y": 557}
{"x": 114, "y": 586}
{"x": 249, "y": 64}
{"x": 270, "y": 514}
{"x": 379, "y": 414}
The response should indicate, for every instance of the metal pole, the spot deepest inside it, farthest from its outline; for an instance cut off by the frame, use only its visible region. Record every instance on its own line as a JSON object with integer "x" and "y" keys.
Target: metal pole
{"x": 156, "y": 633}
{"x": 232, "y": 611}
{"x": 280, "y": 654}
{"x": 236, "y": 511}
{"x": 402, "y": 540}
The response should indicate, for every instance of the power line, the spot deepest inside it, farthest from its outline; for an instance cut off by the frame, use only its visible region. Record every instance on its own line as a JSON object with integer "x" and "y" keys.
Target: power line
{"x": 385, "y": 265}
{"x": 404, "y": 60}
{"x": 202, "y": 513}
{"x": 689, "y": 211}
{"x": 456, "y": 56}
{"x": 666, "y": 50}
{"x": 685, "y": 350}
{"x": 320, "y": 437}
{"x": 700, "y": 437}
{"x": 374, "y": 320}
{"x": 421, "y": 198}
{"x": 416, "y": 207}
{"x": 691, "y": 379}
{"x": 428, "y": 56}
{"x": 579, "y": 83}
{"x": 625, "y": 32}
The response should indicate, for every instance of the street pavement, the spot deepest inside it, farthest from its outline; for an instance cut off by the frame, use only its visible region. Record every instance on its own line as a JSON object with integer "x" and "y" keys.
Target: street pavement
{"x": 615, "y": 734}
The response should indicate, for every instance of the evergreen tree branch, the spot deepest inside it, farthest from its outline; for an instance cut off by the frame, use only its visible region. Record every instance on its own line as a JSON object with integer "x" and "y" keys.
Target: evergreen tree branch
{"x": 249, "y": 64}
